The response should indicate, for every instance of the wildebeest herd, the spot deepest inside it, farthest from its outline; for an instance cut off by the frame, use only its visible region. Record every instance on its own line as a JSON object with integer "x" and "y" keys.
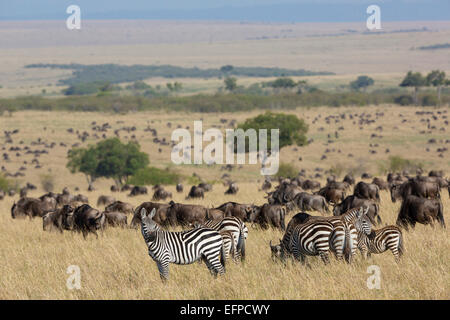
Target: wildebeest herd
{"x": 216, "y": 234}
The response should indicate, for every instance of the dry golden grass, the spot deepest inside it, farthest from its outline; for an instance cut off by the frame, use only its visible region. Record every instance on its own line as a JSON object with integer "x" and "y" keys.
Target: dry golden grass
{"x": 117, "y": 266}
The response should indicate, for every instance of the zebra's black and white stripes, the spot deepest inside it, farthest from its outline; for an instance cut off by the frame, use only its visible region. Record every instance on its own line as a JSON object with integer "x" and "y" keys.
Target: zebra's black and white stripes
{"x": 184, "y": 247}
{"x": 236, "y": 227}
{"x": 378, "y": 241}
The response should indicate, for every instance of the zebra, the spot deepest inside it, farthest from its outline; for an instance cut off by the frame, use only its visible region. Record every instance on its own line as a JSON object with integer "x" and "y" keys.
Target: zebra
{"x": 234, "y": 225}
{"x": 378, "y": 241}
{"x": 183, "y": 247}
{"x": 307, "y": 239}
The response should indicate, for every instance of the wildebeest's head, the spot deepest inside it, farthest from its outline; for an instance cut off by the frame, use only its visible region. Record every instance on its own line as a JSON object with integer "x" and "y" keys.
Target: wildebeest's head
{"x": 276, "y": 250}
{"x": 67, "y": 217}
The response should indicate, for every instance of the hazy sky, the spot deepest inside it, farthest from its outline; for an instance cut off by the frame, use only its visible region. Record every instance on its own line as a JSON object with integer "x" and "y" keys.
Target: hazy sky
{"x": 240, "y": 10}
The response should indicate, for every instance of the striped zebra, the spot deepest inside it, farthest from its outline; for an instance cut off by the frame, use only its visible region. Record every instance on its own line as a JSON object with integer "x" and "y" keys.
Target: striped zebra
{"x": 238, "y": 229}
{"x": 184, "y": 247}
{"x": 307, "y": 239}
{"x": 381, "y": 240}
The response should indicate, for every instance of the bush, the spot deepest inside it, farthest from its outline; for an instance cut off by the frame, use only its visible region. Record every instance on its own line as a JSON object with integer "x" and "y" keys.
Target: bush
{"x": 152, "y": 176}
{"x": 5, "y": 184}
{"x": 404, "y": 100}
{"x": 398, "y": 164}
{"x": 286, "y": 170}
{"x": 292, "y": 129}
{"x": 47, "y": 182}
{"x": 429, "y": 100}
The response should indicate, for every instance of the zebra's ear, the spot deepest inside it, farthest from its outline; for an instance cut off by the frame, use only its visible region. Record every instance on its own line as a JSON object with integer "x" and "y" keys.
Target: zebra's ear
{"x": 152, "y": 213}
{"x": 143, "y": 213}
{"x": 366, "y": 210}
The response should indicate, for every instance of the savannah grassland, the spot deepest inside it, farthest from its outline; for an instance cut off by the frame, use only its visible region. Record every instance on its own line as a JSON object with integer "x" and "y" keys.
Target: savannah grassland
{"x": 117, "y": 266}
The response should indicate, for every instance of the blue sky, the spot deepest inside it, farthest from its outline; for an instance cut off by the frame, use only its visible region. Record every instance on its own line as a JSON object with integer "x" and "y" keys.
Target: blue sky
{"x": 238, "y": 10}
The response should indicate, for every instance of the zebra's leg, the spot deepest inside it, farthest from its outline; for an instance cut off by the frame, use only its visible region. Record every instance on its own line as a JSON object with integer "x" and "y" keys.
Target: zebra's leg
{"x": 163, "y": 268}
{"x": 324, "y": 256}
{"x": 214, "y": 266}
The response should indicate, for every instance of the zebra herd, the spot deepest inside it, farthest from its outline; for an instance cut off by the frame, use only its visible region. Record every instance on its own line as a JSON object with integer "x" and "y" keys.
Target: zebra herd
{"x": 216, "y": 240}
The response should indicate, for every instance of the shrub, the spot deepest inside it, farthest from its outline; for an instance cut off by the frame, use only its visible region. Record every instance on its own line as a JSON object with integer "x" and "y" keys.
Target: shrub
{"x": 398, "y": 164}
{"x": 152, "y": 176}
{"x": 5, "y": 184}
{"x": 429, "y": 100}
{"x": 47, "y": 182}
{"x": 287, "y": 170}
{"x": 404, "y": 100}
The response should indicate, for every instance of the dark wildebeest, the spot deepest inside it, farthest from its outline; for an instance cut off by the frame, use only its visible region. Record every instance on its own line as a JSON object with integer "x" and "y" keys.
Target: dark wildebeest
{"x": 284, "y": 193}
{"x": 161, "y": 194}
{"x": 237, "y": 210}
{"x": 354, "y": 202}
{"x": 105, "y": 200}
{"x": 367, "y": 191}
{"x": 332, "y": 195}
{"x": 216, "y": 214}
{"x": 126, "y": 187}
{"x": 310, "y": 184}
{"x": 114, "y": 189}
{"x": 196, "y": 192}
{"x": 64, "y": 198}
{"x": 160, "y": 215}
{"x": 31, "y": 207}
{"x": 416, "y": 209}
{"x": 349, "y": 179}
{"x": 138, "y": 191}
{"x": 267, "y": 185}
{"x": 414, "y": 187}
{"x": 308, "y": 202}
{"x": 54, "y": 220}
{"x": 186, "y": 214}
{"x": 84, "y": 219}
{"x": 115, "y": 219}
{"x": 382, "y": 185}
{"x": 268, "y": 214}
{"x": 81, "y": 198}
{"x": 205, "y": 186}
{"x": 120, "y": 206}
{"x": 179, "y": 187}
{"x": 232, "y": 189}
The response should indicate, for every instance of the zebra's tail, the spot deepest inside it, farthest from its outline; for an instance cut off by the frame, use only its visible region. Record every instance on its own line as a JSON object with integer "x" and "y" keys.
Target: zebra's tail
{"x": 241, "y": 244}
{"x": 347, "y": 245}
{"x": 401, "y": 248}
{"x": 282, "y": 215}
{"x": 223, "y": 256}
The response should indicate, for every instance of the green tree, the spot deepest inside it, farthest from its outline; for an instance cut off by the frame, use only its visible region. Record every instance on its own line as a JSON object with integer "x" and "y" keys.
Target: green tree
{"x": 226, "y": 69}
{"x": 436, "y": 78}
{"x": 283, "y": 83}
{"x": 109, "y": 159}
{"x": 362, "y": 82}
{"x": 415, "y": 80}
{"x": 292, "y": 129}
{"x": 230, "y": 83}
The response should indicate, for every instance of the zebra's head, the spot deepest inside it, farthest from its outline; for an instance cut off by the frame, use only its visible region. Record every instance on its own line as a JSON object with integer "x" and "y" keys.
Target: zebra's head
{"x": 148, "y": 226}
{"x": 363, "y": 223}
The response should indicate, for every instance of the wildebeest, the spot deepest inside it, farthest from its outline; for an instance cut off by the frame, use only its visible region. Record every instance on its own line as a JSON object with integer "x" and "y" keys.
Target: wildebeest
{"x": 161, "y": 194}
{"x": 179, "y": 187}
{"x": 268, "y": 214}
{"x": 31, "y": 207}
{"x": 53, "y": 221}
{"x": 160, "y": 215}
{"x": 186, "y": 214}
{"x": 138, "y": 191}
{"x": 105, "y": 200}
{"x": 196, "y": 192}
{"x": 267, "y": 185}
{"x": 383, "y": 185}
{"x": 354, "y": 202}
{"x": 115, "y": 219}
{"x": 332, "y": 195}
{"x": 284, "y": 193}
{"x": 415, "y": 209}
{"x": 114, "y": 188}
{"x": 84, "y": 219}
{"x": 205, "y": 186}
{"x": 308, "y": 202}
{"x": 367, "y": 191}
{"x": 120, "y": 206}
{"x": 349, "y": 179}
{"x": 232, "y": 189}
{"x": 235, "y": 209}
{"x": 415, "y": 187}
